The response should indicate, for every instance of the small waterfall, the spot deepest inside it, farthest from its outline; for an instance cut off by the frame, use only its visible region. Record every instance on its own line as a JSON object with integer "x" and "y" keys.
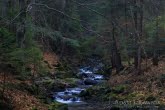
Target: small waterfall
{"x": 70, "y": 95}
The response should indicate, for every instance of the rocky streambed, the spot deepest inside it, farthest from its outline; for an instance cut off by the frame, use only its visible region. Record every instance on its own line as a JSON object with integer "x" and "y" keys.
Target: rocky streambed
{"x": 87, "y": 78}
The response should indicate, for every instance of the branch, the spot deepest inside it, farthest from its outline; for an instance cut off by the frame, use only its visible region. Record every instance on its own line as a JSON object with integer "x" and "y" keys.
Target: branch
{"x": 46, "y": 6}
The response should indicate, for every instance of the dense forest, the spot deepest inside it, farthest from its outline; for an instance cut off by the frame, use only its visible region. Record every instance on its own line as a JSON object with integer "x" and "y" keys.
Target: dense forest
{"x": 82, "y": 54}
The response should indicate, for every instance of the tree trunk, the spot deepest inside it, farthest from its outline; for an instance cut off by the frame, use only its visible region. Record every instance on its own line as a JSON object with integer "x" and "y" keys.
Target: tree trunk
{"x": 155, "y": 45}
{"x": 136, "y": 35}
{"x": 4, "y": 84}
{"x": 140, "y": 37}
{"x": 116, "y": 58}
{"x": 21, "y": 27}
{"x": 126, "y": 31}
{"x": 4, "y": 8}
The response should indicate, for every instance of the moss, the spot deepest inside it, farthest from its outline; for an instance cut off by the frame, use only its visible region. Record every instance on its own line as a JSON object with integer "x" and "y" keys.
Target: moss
{"x": 34, "y": 108}
{"x": 130, "y": 96}
{"x": 110, "y": 96}
{"x": 58, "y": 106}
{"x": 119, "y": 89}
{"x": 99, "y": 92}
{"x": 118, "y": 93}
{"x": 64, "y": 74}
{"x": 52, "y": 85}
{"x": 48, "y": 82}
{"x": 150, "y": 98}
{"x": 71, "y": 81}
{"x": 134, "y": 96}
{"x": 113, "y": 97}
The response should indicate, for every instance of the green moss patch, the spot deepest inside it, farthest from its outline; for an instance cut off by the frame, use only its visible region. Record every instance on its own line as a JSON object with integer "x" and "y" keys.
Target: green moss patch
{"x": 58, "y": 106}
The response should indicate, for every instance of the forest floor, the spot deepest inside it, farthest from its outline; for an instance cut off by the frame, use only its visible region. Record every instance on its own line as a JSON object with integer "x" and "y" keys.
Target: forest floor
{"x": 19, "y": 98}
{"x": 151, "y": 82}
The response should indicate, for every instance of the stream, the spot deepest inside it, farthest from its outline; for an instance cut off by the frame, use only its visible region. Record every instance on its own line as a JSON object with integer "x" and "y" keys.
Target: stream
{"x": 88, "y": 78}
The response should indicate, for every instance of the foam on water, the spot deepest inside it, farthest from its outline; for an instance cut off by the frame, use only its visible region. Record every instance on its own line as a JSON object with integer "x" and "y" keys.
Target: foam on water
{"x": 85, "y": 71}
{"x": 70, "y": 95}
{"x": 67, "y": 101}
{"x": 98, "y": 77}
{"x": 74, "y": 90}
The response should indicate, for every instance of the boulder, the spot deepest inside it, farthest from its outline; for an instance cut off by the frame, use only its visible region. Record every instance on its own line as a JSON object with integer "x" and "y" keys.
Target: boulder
{"x": 80, "y": 82}
{"x": 84, "y": 93}
{"x": 72, "y": 82}
{"x": 89, "y": 81}
{"x": 82, "y": 75}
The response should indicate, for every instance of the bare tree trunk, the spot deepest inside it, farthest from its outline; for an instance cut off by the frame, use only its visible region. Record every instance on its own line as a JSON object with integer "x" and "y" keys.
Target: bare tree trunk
{"x": 32, "y": 11}
{"x": 11, "y": 6}
{"x": 140, "y": 36}
{"x": 21, "y": 27}
{"x": 126, "y": 30}
{"x": 155, "y": 44}
{"x": 4, "y": 85}
{"x": 116, "y": 58}
{"x": 136, "y": 35}
{"x": 4, "y": 8}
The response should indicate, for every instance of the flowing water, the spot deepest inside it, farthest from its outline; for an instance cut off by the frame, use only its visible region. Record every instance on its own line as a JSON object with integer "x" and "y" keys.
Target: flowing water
{"x": 88, "y": 79}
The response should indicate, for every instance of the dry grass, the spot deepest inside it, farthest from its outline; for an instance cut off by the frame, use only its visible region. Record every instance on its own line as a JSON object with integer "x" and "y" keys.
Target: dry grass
{"x": 146, "y": 83}
{"x": 20, "y": 100}
{"x": 23, "y": 101}
{"x": 51, "y": 58}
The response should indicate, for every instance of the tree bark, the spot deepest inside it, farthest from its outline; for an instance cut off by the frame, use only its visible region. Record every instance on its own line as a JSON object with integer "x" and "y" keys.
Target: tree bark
{"x": 126, "y": 30}
{"x": 116, "y": 58}
{"x": 140, "y": 36}
{"x": 155, "y": 45}
{"x": 138, "y": 18}
{"x": 4, "y": 8}
{"x": 21, "y": 27}
{"x": 136, "y": 35}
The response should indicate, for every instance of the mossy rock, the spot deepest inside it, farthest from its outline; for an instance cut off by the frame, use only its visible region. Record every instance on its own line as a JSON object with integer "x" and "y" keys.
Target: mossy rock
{"x": 131, "y": 96}
{"x": 71, "y": 81}
{"x": 87, "y": 93}
{"x": 110, "y": 96}
{"x": 113, "y": 97}
{"x": 54, "y": 85}
{"x": 107, "y": 70}
{"x": 140, "y": 96}
{"x": 64, "y": 74}
{"x": 48, "y": 82}
{"x": 98, "y": 92}
{"x": 119, "y": 89}
{"x": 58, "y": 106}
